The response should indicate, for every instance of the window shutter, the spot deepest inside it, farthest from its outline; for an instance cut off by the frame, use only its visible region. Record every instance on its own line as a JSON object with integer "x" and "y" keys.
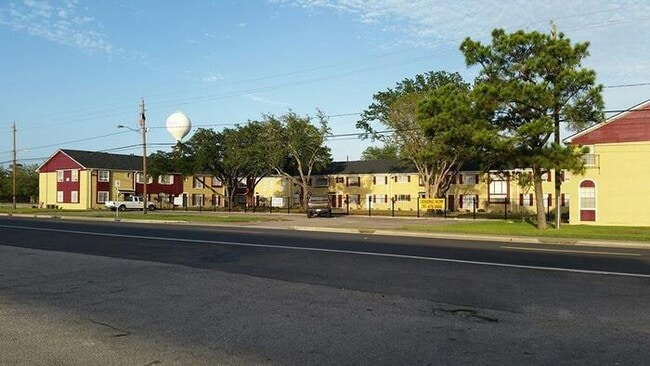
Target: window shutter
{"x": 530, "y": 199}
{"x": 460, "y": 201}
{"x": 476, "y": 200}
{"x": 408, "y": 179}
{"x": 359, "y": 198}
{"x": 408, "y": 197}
{"x": 521, "y": 199}
{"x": 563, "y": 203}
{"x": 347, "y": 181}
{"x": 562, "y": 176}
{"x": 550, "y": 200}
{"x": 548, "y": 176}
{"x": 374, "y": 180}
{"x": 385, "y": 179}
{"x": 460, "y": 179}
{"x": 374, "y": 198}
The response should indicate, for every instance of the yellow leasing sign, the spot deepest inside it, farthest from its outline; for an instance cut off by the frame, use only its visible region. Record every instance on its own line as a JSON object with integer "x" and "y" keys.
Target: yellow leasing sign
{"x": 432, "y": 204}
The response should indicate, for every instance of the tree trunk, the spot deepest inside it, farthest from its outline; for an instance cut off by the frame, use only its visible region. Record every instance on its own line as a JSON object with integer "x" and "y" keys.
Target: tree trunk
{"x": 539, "y": 198}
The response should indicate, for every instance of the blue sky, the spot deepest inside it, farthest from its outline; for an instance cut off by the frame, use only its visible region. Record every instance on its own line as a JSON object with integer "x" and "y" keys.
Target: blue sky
{"x": 72, "y": 70}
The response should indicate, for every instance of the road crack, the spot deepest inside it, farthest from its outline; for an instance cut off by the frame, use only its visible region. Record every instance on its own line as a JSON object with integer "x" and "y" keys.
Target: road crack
{"x": 122, "y": 332}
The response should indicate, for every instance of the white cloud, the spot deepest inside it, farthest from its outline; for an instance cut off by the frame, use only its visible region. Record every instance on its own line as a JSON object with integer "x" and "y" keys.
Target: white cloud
{"x": 264, "y": 100}
{"x": 63, "y": 23}
{"x": 617, "y": 30}
{"x": 212, "y": 78}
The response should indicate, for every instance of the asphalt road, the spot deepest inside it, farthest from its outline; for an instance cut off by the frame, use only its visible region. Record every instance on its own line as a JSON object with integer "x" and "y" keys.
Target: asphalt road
{"x": 74, "y": 293}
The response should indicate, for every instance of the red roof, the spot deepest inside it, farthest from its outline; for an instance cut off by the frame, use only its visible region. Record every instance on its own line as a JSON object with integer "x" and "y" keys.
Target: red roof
{"x": 632, "y": 125}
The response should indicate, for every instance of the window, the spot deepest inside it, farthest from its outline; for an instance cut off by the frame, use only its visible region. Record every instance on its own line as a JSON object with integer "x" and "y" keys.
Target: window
{"x": 139, "y": 179}
{"x": 403, "y": 197}
{"x": 103, "y": 176}
{"x": 74, "y": 175}
{"x": 468, "y": 178}
{"x": 321, "y": 182}
{"x": 380, "y": 198}
{"x": 166, "y": 179}
{"x": 402, "y": 178}
{"x": 587, "y": 195}
{"x": 59, "y": 196}
{"x": 216, "y": 182}
{"x": 498, "y": 189}
{"x": 102, "y": 196}
{"x": 197, "y": 200}
{"x": 340, "y": 180}
{"x": 74, "y": 196}
{"x": 59, "y": 176}
{"x": 354, "y": 181}
{"x": 469, "y": 201}
{"x": 380, "y": 179}
{"x": 354, "y": 199}
{"x": 197, "y": 182}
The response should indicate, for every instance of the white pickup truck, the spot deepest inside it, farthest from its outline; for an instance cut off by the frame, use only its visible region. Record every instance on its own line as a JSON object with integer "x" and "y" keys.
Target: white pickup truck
{"x": 129, "y": 203}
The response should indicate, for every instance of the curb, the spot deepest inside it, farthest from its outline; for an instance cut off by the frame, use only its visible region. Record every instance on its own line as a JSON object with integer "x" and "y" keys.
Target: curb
{"x": 368, "y": 231}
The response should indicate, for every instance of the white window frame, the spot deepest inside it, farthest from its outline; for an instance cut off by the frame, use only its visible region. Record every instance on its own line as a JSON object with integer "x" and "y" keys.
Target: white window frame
{"x": 402, "y": 178}
{"x": 380, "y": 180}
{"x": 103, "y": 176}
{"x": 74, "y": 196}
{"x": 197, "y": 183}
{"x": 498, "y": 189}
{"x": 139, "y": 180}
{"x": 59, "y": 196}
{"x": 103, "y": 196}
{"x": 216, "y": 182}
{"x": 587, "y": 197}
{"x": 354, "y": 181}
{"x": 59, "y": 175}
{"x": 469, "y": 201}
{"x": 166, "y": 179}
{"x": 74, "y": 175}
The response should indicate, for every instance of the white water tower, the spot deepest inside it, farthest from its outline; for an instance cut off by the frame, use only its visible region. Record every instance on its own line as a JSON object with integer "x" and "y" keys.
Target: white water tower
{"x": 178, "y": 125}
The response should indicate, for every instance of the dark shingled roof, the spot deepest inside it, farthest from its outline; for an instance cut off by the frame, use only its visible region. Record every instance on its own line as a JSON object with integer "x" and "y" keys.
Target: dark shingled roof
{"x": 368, "y": 167}
{"x": 102, "y": 160}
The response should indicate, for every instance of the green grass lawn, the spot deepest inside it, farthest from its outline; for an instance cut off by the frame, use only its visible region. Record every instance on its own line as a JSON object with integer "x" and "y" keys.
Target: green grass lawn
{"x": 529, "y": 229}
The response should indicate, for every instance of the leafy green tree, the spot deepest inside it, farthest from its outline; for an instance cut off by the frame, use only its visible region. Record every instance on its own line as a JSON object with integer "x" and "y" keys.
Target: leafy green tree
{"x": 26, "y": 183}
{"x": 295, "y": 148}
{"x": 420, "y": 137}
{"x": 532, "y": 83}
{"x": 244, "y": 147}
{"x": 386, "y": 152}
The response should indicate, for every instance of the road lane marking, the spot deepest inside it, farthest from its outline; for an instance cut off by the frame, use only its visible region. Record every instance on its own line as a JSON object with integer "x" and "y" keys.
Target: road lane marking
{"x": 337, "y": 251}
{"x": 571, "y": 251}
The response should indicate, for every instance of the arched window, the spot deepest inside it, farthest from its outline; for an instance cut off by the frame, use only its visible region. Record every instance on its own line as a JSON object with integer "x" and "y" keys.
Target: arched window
{"x": 587, "y": 200}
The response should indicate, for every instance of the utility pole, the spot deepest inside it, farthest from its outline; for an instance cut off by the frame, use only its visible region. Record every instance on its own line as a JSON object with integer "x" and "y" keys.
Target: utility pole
{"x": 144, "y": 156}
{"x": 14, "y": 166}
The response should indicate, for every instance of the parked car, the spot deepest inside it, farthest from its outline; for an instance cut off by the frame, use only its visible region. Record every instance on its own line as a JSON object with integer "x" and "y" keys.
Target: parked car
{"x": 129, "y": 203}
{"x": 319, "y": 206}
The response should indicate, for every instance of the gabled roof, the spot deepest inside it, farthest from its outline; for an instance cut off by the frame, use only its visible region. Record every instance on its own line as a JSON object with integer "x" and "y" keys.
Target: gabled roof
{"x": 100, "y": 160}
{"x": 632, "y": 125}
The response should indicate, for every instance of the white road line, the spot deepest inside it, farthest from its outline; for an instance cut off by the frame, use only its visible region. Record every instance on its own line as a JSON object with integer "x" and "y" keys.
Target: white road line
{"x": 339, "y": 251}
{"x": 572, "y": 251}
